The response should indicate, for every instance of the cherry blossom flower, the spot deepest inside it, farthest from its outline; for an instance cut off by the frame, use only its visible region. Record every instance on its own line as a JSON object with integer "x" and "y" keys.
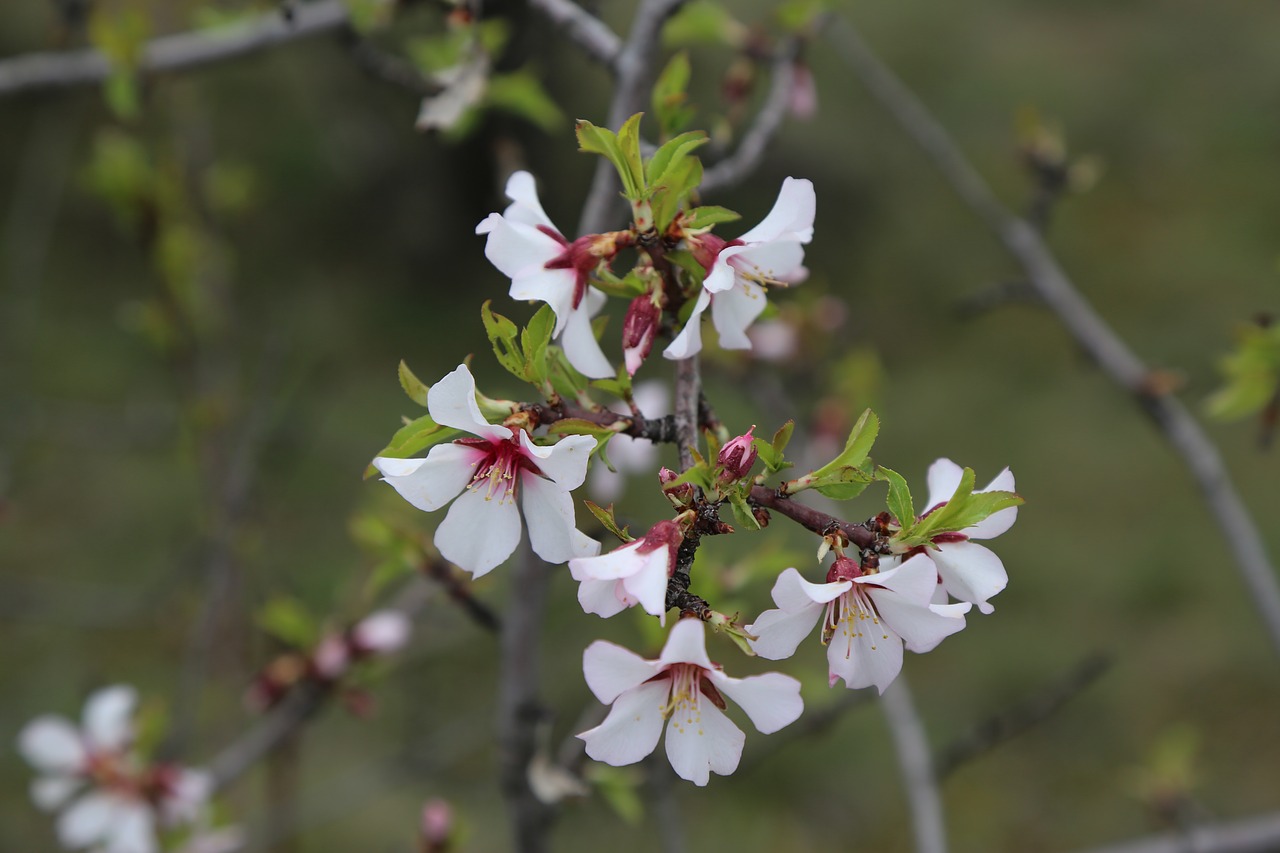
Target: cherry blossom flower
{"x": 545, "y": 266}
{"x": 686, "y": 690}
{"x": 109, "y": 799}
{"x": 635, "y": 573}
{"x": 968, "y": 571}
{"x": 487, "y": 474}
{"x": 869, "y": 617}
{"x": 737, "y": 270}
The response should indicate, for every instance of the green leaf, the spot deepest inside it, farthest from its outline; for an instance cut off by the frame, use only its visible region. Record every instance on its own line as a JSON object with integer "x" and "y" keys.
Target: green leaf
{"x": 1251, "y": 373}
{"x": 621, "y": 149}
{"x": 847, "y": 475}
{"x": 521, "y": 93}
{"x": 680, "y": 179}
{"x": 701, "y": 23}
{"x": 899, "y": 500}
{"x": 502, "y": 334}
{"x": 705, "y": 217}
{"x": 670, "y": 96}
{"x": 534, "y": 340}
{"x": 605, "y": 516}
{"x": 619, "y": 386}
{"x": 289, "y": 621}
{"x": 861, "y": 437}
{"x": 619, "y": 787}
{"x": 412, "y": 385}
{"x": 847, "y": 485}
{"x": 671, "y": 154}
{"x": 742, "y": 511}
{"x": 782, "y": 437}
{"x": 940, "y": 519}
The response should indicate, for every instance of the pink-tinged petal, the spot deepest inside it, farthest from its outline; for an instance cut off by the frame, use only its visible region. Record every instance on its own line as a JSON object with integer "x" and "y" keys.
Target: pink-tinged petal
{"x": 702, "y": 741}
{"x": 133, "y": 830}
{"x": 632, "y": 729}
{"x": 581, "y": 347}
{"x": 610, "y": 670}
{"x": 772, "y": 700}
{"x": 548, "y": 510}
{"x": 781, "y": 261}
{"x": 649, "y": 584}
{"x": 87, "y": 820}
{"x": 779, "y": 632}
{"x": 733, "y": 311}
{"x": 50, "y": 793}
{"x": 792, "y": 213}
{"x": 554, "y": 287}
{"x": 689, "y": 342}
{"x": 792, "y": 592}
{"x": 687, "y": 643}
{"x": 915, "y": 579}
{"x": 51, "y": 744}
{"x": 970, "y": 572}
{"x": 864, "y": 654}
{"x": 452, "y": 402}
{"x": 601, "y": 598}
{"x": 430, "y": 483}
{"x": 479, "y": 533}
{"x": 721, "y": 276}
{"x": 997, "y": 523}
{"x": 525, "y": 207}
{"x": 383, "y": 632}
{"x": 515, "y": 248}
{"x": 191, "y": 792}
{"x": 108, "y": 717}
{"x": 944, "y": 476}
{"x": 921, "y": 628}
{"x": 618, "y": 563}
{"x": 564, "y": 462}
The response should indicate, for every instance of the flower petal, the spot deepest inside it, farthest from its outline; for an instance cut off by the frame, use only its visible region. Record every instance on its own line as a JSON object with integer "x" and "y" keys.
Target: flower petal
{"x": 865, "y": 654}
{"x": 687, "y": 643}
{"x": 525, "y": 206}
{"x": 431, "y": 482}
{"x": 921, "y": 628}
{"x": 618, "y": 563}
{"x": 610, "y": 670}
{"x": 581, "y": 347}
{"x": 944, "y": 475}
{"x": 781, "y": 261}
{"x": 452, "y": 402}
{"x": 779, "y": 632}
{"x": 601, "y": 598}
{"x": 548, "y": 510}
{"x": 772, "y": 700}
{"x": 649, "y": 584}
{"x": 792, "y": 213}
{"x": 133, "y": 829}
{"x": 689, "y": 341}
{"x": 478, "y": 533}
{"x": 734, "y": 310}
{"x": 792, "y": 592}
{"x": 108, "y": 717}
{"x": 701, "y": 741}
{"x": 632, "y": 729}
{"x": 997, "y": 523}
{"x": 970, "y": 572}
{"x": 50, "y": 793}
{"x": 565, "y": 462}
{"x": 554, "y": 287}
{"x": 88, "y": 820}
{"x": 915, "y": 579}
{"x": 51, "y": 744}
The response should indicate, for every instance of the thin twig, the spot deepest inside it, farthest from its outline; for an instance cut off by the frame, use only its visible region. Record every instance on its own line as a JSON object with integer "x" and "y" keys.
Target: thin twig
{"x": 584, "y": 29}
{"x": 814, "y": 722}
{"x": 912, "y": 747}
{"x": 177, "y": 52}
{"x": 1259, "y": 834}
{"x": 1084, "y": 324}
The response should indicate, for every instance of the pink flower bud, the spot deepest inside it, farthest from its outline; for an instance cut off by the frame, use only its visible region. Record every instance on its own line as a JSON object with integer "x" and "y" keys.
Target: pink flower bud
{"x": 736, "y": 457}
{"x": 802, "y": 100}
{"x": 381, "y": 633}
{"x": 331, "y": 657}
{"x": 844, "y": 569}
{"x": 678, "y": 494}
{"x": 638, "y": 330}
{"x": 437, "y": 824}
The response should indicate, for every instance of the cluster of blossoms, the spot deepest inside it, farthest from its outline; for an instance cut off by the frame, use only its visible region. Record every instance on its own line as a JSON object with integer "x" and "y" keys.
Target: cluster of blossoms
{"x": 895, "y": 589}
{"x": 107, "y": 797}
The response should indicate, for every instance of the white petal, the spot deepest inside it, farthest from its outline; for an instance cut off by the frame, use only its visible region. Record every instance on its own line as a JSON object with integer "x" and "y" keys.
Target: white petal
{"x": 865, "y": 654}
{"x": 610, "y": 670}
{"x": 383, "y": 631}
{"x": 516, "y": 248}
{"x": 564, "y": 462}
{"x": 687, "y": 643}
{"x": 52, "y": 744}
{"x": 430, "y": 483}
{"x": 689, "y": 341}
{"x": 792, "y": 213}
{"x": 920, "y": 627}
{"x": 632, "y": 729}
{"x": 133, "y": 830}
{"x": 108, "y": 717}
{"x": 581, "y": 347}
{"x": 944, "y": 476}
{"x": 50, "y": 793}
{"x": 734, "y": 310}
{"x": 792, "y": 592}
{"x": 721, "y": 276}
{"x": 554, "y": 287}
{"x": 548, "y": 510}
{"x": 452, "y": 402}
{"x": 601, "y": 598}
{"x": 772, "y": 700}
{"x": 780, "y": 632}
{"x": 479, "y": 533}
{"x": 970, "y": 572}
{"x": 703, "y": 741}
{"x": 778, "y": 261}
{"x": 993, "y": 525}
{"x": 649, "y": 584}
{"x": 618, "y": 563}
{"x": 915, "y": 580}
{"x": 87, "y": 820}
{"x": 525, "y": 207}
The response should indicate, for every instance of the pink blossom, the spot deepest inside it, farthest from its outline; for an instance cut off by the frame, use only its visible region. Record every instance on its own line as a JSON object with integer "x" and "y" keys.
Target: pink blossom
{"x": 635, "y": 573}
{"x": 737, "y": 456}
{"x": 487, "y": 474}
{"x": 686, "y": 691}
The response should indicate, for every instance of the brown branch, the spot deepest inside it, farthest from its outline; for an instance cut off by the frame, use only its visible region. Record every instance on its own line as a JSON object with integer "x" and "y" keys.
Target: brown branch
{"x": 1112, "y": 355}
{"x": 459, "y": 590}
{"x": 658, "y": 430}
{"x": 819, "y": 522}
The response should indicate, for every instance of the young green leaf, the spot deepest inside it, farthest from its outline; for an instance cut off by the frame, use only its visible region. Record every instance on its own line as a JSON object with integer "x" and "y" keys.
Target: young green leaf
{"x": 899, "y": 500}
{"x": 502, "y": 334}
{"x": 605, "y": 516}
{"x": 705, "y": 217}
{"x": 670, "y": 96}
{"x": 289, "y": 621}
{"x": 412, "y": 385}
{"x": 534, "y": 340}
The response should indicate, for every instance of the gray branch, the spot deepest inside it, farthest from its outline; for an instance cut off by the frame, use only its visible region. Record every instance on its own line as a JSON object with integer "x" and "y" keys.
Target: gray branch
{"x": 1248, "y": 835}
{"x": 916, "y": 764}
{"x": 176, "y": 52}
{"x": 1090, "y": 331}
{"x": 586, "y": 30}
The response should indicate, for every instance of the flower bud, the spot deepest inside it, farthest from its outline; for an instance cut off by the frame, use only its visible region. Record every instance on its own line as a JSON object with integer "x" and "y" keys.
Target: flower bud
{"x": 331, "y": 657}
{"x": 638, "y": 330}
{"x": 736, "y": 457}
{"x": 679, "y": 495}
{"x": 844, "y": 569}
{"x": 437, "y": 825}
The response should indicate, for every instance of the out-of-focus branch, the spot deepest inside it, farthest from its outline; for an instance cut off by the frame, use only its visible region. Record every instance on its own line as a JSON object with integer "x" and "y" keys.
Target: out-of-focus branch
{"x": 916, "y": 763}
{"x": 1017, "y": 719}
{"x": 750, "y": 151}
{"x": 177, "y": 52}
{"x": 1249, "y": 835}
{"x": 584, "y": 29}
{"x": 1084, "y": 324}
{"x": 814, "y": 722}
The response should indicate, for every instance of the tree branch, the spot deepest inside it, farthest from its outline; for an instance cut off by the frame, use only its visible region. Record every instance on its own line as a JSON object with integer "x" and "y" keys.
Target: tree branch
{"x": 1249, "y": 835}
{"x": 584, "y": 29}
{"x": 177, "y": 52}
{"x": 1090, "y": 331}
{"x": 912, "y": 746}
{"x": 811, "y": 519}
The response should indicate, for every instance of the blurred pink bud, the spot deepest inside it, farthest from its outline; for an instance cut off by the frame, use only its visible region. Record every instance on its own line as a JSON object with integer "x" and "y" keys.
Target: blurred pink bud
{"x": 331, "y": 657}
{"x": 437, "y": 824}
{"x": 638, "y": 330}
{"x": 736, "y": 457}
{"x": 381, "y": 633}
{"x": 802, "y": 100}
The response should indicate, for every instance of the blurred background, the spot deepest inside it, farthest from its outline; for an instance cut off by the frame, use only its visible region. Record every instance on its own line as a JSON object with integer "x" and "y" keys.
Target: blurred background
{"x": 207, "y": 281}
